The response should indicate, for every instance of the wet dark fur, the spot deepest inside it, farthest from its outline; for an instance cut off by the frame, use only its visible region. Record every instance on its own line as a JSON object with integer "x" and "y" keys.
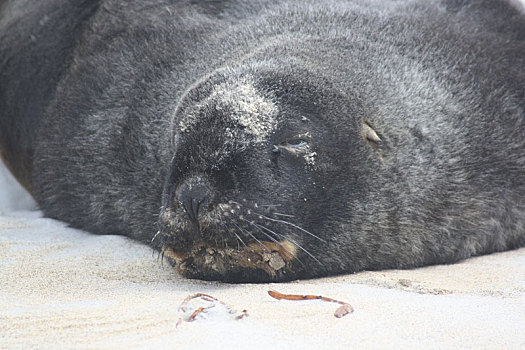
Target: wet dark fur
{"x": 367, "y": 134}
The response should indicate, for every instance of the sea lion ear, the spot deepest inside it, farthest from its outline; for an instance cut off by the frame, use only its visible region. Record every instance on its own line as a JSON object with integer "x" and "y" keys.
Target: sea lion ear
{"x": 370, "y": 134}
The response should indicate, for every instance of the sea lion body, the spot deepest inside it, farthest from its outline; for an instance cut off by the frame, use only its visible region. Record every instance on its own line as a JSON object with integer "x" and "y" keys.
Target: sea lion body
{"x": 272, "y": 140}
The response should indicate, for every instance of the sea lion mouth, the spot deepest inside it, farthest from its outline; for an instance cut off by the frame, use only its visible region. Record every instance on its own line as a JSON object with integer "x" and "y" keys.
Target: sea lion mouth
{"x": 262, "y": 261}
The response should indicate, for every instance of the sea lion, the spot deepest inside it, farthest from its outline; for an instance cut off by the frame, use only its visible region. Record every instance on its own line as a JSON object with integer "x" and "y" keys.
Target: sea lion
{"x": 267, "y": 140}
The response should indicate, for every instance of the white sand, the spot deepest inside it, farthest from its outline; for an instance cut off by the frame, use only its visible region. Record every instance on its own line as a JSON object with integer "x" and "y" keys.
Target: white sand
{"x": 64, "y": 288}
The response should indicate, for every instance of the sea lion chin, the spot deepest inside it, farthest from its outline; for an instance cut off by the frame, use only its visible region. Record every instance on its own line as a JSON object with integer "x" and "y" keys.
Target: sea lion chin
{"x": 256, "y": 262}
{"x": 272, "y": 140}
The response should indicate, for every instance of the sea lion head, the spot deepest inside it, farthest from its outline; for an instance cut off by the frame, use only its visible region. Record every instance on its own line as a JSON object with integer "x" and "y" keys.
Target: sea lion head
{"x": 259, "y": 180}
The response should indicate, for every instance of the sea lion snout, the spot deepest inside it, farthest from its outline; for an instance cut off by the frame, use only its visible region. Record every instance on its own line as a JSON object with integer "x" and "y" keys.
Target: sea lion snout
{"x": 194, "y": 195}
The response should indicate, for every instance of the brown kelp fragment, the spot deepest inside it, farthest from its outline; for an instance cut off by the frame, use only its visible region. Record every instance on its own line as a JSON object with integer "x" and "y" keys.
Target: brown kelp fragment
{"x": 341, "y": 311}
{"x": 211, "y": 303}
{"x": 206, "y": 297}
{"x": 243, "y": 314}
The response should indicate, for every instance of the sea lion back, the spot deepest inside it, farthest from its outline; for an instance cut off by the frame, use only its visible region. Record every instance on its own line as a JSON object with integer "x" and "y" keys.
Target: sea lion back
{"x": 37, "y": 41}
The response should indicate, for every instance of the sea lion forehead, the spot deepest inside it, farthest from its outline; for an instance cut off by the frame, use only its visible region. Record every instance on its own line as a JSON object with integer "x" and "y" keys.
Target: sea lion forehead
{"x": 246, "y": 108}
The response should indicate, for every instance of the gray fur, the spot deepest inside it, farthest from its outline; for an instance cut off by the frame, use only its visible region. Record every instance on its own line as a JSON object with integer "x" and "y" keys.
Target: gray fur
{"x": 367, "y": 134}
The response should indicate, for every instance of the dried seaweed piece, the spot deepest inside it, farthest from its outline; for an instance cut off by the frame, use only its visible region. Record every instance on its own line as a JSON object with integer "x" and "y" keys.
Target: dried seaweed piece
{"x": 341, "y": 311}
{"x": 199, "y": 310}
{"x": 243, "y": 314}
{"x": 182, "y": 306}
{"x": 196, "y": 312}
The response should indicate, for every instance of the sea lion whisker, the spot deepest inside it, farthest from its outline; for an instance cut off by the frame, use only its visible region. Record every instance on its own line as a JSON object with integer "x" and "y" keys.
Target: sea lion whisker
{"x": 239, "y": 239}
{"x": 263, "y": 228}
{"x": 286, "y": 215}
{"x": 156, "y": 234}
{"x": 280, "y": 235}
{"x": 293, "y": 225}
{"x": 235, "y": 233}
{"x": 303, "y": 249}
{"x": 251, "y": 235}
{"x": 258, "y": 205}
{"x": 228, "y": 230}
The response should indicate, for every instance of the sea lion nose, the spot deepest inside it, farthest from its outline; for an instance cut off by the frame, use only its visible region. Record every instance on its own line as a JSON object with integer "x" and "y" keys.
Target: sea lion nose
{"x": 194, "y": 195}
